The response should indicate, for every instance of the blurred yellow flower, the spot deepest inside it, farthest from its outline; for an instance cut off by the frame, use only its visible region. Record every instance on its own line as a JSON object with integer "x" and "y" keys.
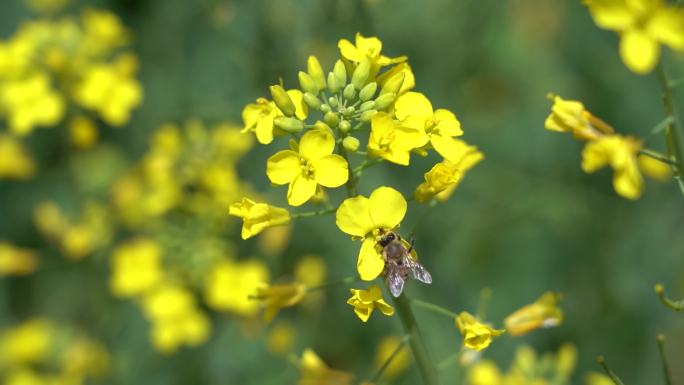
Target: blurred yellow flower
{"x": 15, "y": 162}
{"x": 476, "y": 335}
{"x": 571, "y": 116}
{"x": 654, "y": 169}
{"x": 136, "y": 267}
{"x": 543, "y": 313}
{"x": 275, "y": 297}
{"x": 16, "y": 260}
{"x": 392, "y": 141}
{"x": 594, "y": 378}
{"x": 620, "y": 153}
{"x": 367, "y": 48}
{"x": 103, "y": 31}
{"x": 444, "y": 177}
{"x": 109, "y": 92}
{"x": 314, "y": 165}
{"x": 31, "y": 102}
{"x": 414, "y": 110}
{"x": 26, "y": 343}
{"x": 280, "y": 338}
{"x": 258, "y": 216}
{"x": 230, "y": 284}
{"x": 310, "y": 270}
{"x": 82, "y": 132}
{"x": 84, "y": 357}
{"x": 399, "y": 363}
{"x": 315, "y": 372}
{"x": 485, "y": 372}
{"x": 643, "y": 26}
{"x": 368, "y": 218}
{"x": 365, "y": 301}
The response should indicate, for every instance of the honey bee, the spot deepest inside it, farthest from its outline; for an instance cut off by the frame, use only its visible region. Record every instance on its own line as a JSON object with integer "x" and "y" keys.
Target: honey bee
{"x": 399, "y": 264}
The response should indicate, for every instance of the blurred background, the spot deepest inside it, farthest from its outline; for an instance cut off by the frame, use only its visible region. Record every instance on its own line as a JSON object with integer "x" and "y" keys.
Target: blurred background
{"x": 102, "y": 185}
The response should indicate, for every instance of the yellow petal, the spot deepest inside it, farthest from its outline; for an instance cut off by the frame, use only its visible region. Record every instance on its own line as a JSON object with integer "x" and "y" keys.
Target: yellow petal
{"x": 667, "y": 26}
{"x": 363, "y": 312}
{"x": 316, "y": 144}
{"x": 384, "y": 307}
{"x": 370, "y": 263}
{"x": 283, "y": 167}
{"x": 594, "y": 157}
{"x": 628, "y": 181}
{"x": 371, "y": 46}
{"x": 639, "y": 51}
{"x": 349, "y": 51}
{"x": 331, "y": 171}
{"x": 412, "y": 104}
{"x": 387, "y": 207}
{"x": 301, "y": 108}
{"x": 447, "y": 123}
{"x": 301, "y": 190}
{"x": 611, "y": 14}
{"x": 353, "y": 216}
{"x": 264, "y": 130}
{"x": 446, "y": 147}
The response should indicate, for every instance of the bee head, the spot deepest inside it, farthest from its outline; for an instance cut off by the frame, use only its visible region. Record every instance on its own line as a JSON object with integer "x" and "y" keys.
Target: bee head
{"x": 386, "y": 239}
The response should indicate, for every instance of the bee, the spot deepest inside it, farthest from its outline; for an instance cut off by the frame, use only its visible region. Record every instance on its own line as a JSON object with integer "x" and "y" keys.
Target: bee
{"x": 399, "y": 264}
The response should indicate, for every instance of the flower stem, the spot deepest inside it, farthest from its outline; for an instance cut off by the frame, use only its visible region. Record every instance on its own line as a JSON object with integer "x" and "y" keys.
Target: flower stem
{"x": 313, "y": 213}
{"x": 661, "y": 349}
{"x": 351, "y": 182}
{"x": 434, "y": 308}
{"x": 673, "y": 134}
{"x": 323, "y": 286}
{"x": 672, "y": 304}
{"x": 657, "y": 156}
{"x": 602, "y": 361}
{"x": 408, "y": 320}
{"x": 389, "y": 360}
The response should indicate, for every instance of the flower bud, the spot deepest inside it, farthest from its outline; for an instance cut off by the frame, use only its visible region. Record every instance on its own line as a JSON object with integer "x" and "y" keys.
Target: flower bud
{"x": 307, "y": 83}
{"x": 349, "y": 92}
{"x": 312, "y": 101}
{"x": 351, "y": 144}
{"x": 384, "y": 101}
{"x": 368, "y": 91}
{"x": 314, "y": 69}
{"x": 393, "y": 84}
{"x": 289, "y": 124}
{"x": 340, "y": 72}
{"x": 334, "y": 84}
{"x": 349, "y": 110}
{"x": 367, "y": 115}
{"x": 332, "y": 101}
{"x": 331, "y": 119}
{"x": 325, "y": 108}
{"x": 365, "y": 106}
{"x": 361, "y": 74}
{"x": 345, "y": 126}
{"x": 282, "y": 100}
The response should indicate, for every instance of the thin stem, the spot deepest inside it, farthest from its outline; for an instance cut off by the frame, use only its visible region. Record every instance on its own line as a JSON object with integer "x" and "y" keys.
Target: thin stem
{"x": 351, "y": 182}
{"x": 358, "y": 170}
{"x": 602, "y": 361}
{"x": 660, "y": 127}
{"x": 445, "y": 363}
{"x": 338, "y": 282}
{"x": 673, "y": 133}
{"x": 389, "y": 360}
{"x": 657, "y": 156}
{"x": 435, "y": 308}
{"x": 669, "y": 303}
{"x": 313, "y": 213}
{"x": 408, "y": 320}
{"x": 663, "y": 359}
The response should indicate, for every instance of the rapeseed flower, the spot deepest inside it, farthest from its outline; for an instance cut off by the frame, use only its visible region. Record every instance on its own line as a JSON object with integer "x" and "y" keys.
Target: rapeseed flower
{"x": 393, "y": 141}
{"x": 365, "y": 301}
{"x": 620, "y": 153}
{"x": 444, "y": 177}
{"x": 543, "y": 313}
{"x": 260, "y": 117}
{"x": 230, "y": 284}
{"x": 16, "y": 260}
{"x": 136, "y": 267}
{"x": 367, "y": 48}
{"x": 315, "y": 372}
{"x": 15, "y": 161}
{"x": 571, "y": 116}
{"x": 275, "y": 297}
{"x": 257, "y": 217}
{"x": 476, "y": 335}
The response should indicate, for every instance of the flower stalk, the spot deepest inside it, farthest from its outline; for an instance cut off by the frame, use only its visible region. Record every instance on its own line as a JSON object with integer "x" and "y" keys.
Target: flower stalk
{"x": 661, "y": 350}
{"x": 673, "y": 134}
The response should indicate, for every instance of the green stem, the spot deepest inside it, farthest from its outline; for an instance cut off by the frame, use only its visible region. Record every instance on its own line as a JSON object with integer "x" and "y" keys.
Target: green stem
{"x": 434, "y": 308}
{"x": 351, "y": 182}
{"x": 358, "y": 170}
{"x": 313, "y": 213}
{"x": 660, "y": 127}
{"x": 669, "y": 303}
{"x": 389, "y": 360}
{"x": 408, "y": 320}
{"x": 657, "y": 156}
{"x": 602, "y": 361}
{"x": 338, "y": 282}
{"x": 663, "y": 359}
{"x": 673, "y": 135}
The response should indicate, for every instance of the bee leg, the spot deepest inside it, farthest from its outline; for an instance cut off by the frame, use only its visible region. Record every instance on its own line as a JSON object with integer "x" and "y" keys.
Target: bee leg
{"x": 412, "y": 243}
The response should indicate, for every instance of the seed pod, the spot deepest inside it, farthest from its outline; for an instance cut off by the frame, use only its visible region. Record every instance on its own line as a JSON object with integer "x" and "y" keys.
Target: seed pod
{"x": 289, "y": 124}
{"x": 361, "y": 74}
{"x": 282, "y": 100}
{"x": 312, "y": 101}
{"x": 349, "y": 92}
{"x": 351, "y": 144}
{"x": 307, "y": 83}
{"x": 368, "y": 91}
{"x": 393, "y": 84}
{"x": 384, "y": 101}
{"x": 314, "y": 69}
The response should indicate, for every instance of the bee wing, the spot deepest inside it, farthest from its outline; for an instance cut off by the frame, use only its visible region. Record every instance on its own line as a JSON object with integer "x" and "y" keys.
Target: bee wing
{"x": 394, "y": 282}
{"x": 418, "y": 271}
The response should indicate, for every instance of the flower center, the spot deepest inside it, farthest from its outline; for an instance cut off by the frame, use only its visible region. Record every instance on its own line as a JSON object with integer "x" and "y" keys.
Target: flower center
{"x": 307, "y": 168}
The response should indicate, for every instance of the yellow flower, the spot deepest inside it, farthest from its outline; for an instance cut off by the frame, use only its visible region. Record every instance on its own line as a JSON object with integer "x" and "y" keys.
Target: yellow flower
{"x": 365, "y": 301}
{"x": 136, "y": 267}
{"x": 310, "y": 270}
{"x": 476, "y": 335}
{"x": 444, "y": 177}
{"x": 543, "y": 313}
{"x": 414, "y": 110}
{"x": 314, "y": 165}
{"x": 16, "y": 260}
{"x": 257, "y": 217}
{"x": 280, "y": 338}
{"x": 368, "y": 218}
{"x": 399, "y": 363}
{"x": 643, "y": 26}
{"x": 485, "y": 373}
{"x": 109, "y": 92}
{"x": 259, "y": 117}
{"x": 103, "y": 31}
{"x": 409, "y": 79}
{"x": 594, "y": 378}
{"x": 82, "y": 132}
{"x": 276, "y": 297}
{"x": 27, "y": 343}
{"x": 15, "y": 162}
{"x": 571, "y": 116}
{"x": 620, "y": 153}
{"x": 315, "y": 372}
{"x": 230, "y": 284}
{"x": 367, "y": 48}
{"x": 31, "y": 102}
{"x": 392, "y": 141}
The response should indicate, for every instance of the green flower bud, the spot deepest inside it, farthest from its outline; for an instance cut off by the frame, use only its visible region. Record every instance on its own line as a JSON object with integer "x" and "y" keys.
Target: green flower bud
{"x": 367, "y": 115}
{"x": 361, "y": 74}
{"x": 393, "y": 84}
{"x": 365, "y": 106}
{"x": 340, "y": 72}
{"x": 314, "y": 69}
{"x": 294, "y": 146}
{"x": 334, "y": 84}
{"x": 289, "y": 124}
{"x": 345, "y": 126}
{"x": 331, "y": 119}
{"x": 312, "y": 101}
{"x": 368, "y": 91}
{"x": 333, "y": 102}
{"x": 325, "y": 108}
{"x": 351, "y": 144}
{"x": 307, "y": 83}
{"x": 384, "y": 101}
{"x": 282, "y": 100}
{"x": 349, "y": 110}
{"x": 349, "y": 92}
